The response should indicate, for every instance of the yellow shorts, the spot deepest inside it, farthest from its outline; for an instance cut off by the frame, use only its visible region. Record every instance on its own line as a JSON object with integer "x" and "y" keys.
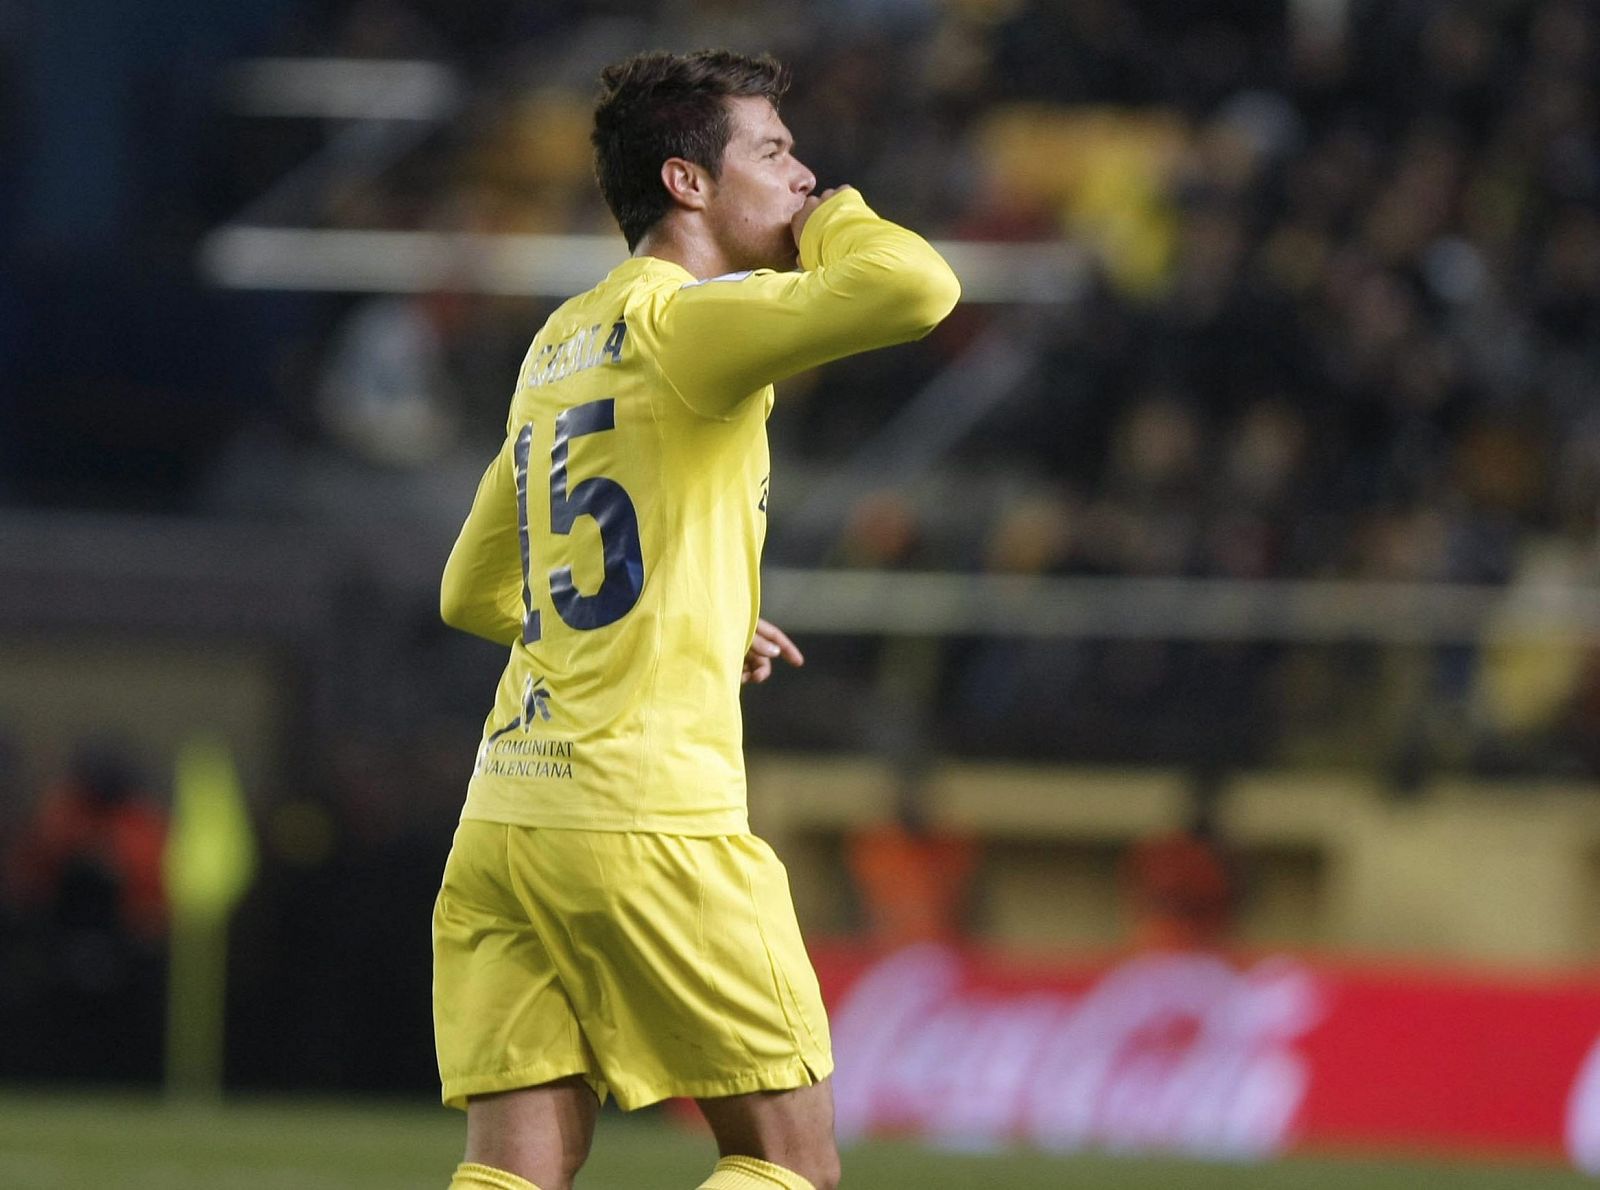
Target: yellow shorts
{"x": 653, "y": 965}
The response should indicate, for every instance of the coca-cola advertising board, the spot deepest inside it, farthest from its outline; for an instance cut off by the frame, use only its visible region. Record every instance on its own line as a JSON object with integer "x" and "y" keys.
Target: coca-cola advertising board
{"x": 1212, "y": 1056}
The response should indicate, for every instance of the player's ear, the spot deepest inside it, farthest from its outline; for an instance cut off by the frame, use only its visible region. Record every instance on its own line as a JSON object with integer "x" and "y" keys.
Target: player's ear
{"x": 686, "y": 182}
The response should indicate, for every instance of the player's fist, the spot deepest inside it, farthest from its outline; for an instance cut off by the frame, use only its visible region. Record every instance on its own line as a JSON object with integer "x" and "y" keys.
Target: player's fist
{"x": 812, "y": 202}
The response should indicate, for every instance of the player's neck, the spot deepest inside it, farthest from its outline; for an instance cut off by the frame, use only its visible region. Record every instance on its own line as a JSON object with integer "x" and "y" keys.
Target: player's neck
{"x": 695, "y": 253}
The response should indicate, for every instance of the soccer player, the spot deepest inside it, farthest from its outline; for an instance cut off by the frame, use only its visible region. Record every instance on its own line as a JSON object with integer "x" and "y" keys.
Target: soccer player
{"x": 607, "y": 923}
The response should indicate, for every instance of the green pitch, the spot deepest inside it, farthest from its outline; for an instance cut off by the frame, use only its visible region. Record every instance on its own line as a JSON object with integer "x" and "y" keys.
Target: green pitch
{"x": 105, "y": 1142}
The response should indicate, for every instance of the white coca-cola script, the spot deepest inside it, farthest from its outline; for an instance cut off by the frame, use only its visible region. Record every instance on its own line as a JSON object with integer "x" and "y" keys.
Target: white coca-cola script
{"x": 1177, "y": 1052}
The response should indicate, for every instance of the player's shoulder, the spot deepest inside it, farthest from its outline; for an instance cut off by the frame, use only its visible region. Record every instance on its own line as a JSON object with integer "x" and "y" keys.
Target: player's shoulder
{"x": 666, "y": 293}
{"x": 661, "y": 283}
{"x": 722, "y": 278}
{"x": 633, "y": 289}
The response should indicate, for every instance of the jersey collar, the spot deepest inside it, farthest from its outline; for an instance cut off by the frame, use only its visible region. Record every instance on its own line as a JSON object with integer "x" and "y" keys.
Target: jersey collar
{"x": 643, "y": 266}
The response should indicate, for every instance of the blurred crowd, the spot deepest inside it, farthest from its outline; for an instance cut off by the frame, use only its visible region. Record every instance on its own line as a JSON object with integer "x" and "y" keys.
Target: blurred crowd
{"x": 327, "y": 981}
{"x": 1343, "y": 303}
{"x": 1338, "y": 316}
{"x": 1335, "y": 314}
{"x": 1341, "y": 317}
{"x": 82, "y": 921}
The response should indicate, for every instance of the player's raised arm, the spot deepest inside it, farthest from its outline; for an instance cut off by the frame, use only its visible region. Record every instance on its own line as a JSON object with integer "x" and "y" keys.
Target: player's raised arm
{"x": 864, "y": 283}
{"x": 481, "y": 592}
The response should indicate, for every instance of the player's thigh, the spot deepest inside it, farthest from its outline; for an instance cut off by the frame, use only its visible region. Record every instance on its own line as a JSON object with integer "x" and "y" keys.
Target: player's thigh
{"x": 683, "y": 960}
{"x": 539, "y": 1133}
{"x": 792, "y": 1128}
{"x": 502, "y": 1019}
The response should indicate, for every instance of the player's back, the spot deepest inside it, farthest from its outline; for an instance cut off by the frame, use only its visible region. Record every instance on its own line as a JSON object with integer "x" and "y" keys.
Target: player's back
{"x": 615, "y": 542}
{"x": 640, "y": 525}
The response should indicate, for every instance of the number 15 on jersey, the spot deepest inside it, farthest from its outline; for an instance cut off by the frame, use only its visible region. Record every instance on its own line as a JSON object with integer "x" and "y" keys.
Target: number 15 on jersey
{"x": 597, "y": 496}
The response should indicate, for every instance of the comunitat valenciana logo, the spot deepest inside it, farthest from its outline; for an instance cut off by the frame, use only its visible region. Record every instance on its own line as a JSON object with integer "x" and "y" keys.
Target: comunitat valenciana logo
{"x": 1177, "y": 1052}
{"x": 535, "y": 702}
{"x": 1583, "y": 1114}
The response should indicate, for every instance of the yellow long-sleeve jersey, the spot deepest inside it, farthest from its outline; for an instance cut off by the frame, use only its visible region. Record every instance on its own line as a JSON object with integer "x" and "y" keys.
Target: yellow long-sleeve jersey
{"x": 615, "y": 541}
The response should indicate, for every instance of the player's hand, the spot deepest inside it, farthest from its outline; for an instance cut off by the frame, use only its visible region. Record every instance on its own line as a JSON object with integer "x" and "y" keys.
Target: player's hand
{"x": 770, "y": 642}
{"x": 812, "y": 202}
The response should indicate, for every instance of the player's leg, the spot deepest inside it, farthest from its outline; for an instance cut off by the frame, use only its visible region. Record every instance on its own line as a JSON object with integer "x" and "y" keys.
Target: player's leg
{"x": 540, "y": 1135}
{"x": 684, "y": 962}
{"x": 773, "y": 1139}
{"x": 511, "y": 1052}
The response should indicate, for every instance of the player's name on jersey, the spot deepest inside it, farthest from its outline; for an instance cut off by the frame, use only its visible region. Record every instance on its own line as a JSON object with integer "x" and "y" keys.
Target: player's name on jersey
{"x": 550, "y": 759}
{"x": 576, "y": 353}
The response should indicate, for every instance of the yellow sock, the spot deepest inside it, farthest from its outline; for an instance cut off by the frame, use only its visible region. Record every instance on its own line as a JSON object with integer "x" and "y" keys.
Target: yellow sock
{"x": 748, "y": 1173}
{"x": 470, "y": 1174}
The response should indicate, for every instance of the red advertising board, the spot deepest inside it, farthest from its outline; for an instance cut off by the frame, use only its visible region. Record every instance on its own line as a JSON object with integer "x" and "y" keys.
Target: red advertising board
{"x": 1201, "y": 1054}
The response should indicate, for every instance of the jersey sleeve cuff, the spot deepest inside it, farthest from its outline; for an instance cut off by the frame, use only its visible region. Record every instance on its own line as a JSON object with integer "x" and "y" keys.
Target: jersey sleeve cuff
{"x": 840, "y": 207}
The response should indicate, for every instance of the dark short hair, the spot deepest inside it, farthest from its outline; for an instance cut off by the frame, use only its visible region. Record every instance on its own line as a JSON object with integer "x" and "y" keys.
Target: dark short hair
{"x": 657, "y": 105}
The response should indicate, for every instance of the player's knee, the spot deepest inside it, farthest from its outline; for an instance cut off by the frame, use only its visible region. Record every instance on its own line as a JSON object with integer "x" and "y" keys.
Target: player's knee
{"x": 828, "y": 1170}
{"x": 820, "y": 1170}
{"x": 575, "y": 1155}
{"x": 559, "y": 1168}
{"x": 818, "y": 1164}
